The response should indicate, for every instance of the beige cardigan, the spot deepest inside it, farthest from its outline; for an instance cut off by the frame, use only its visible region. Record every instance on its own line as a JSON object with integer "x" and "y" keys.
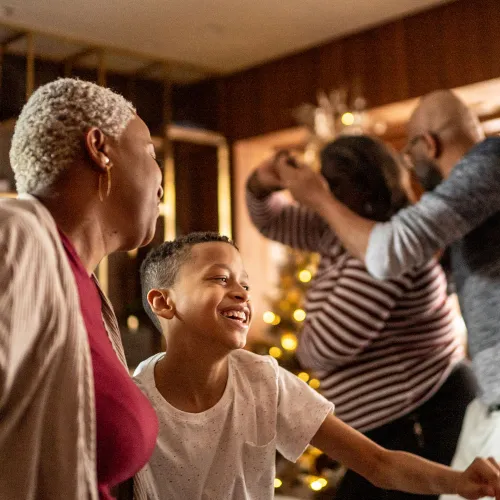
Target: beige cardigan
{"x": 47, "y": 412}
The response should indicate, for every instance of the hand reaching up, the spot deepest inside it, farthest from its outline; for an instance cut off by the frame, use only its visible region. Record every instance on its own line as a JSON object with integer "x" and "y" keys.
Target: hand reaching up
{"x": 307, "y": 187}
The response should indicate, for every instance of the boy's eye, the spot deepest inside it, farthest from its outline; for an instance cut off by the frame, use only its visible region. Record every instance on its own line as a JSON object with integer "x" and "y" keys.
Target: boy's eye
{"x": 246, "y": 287}
{"x": 222, "y": 278}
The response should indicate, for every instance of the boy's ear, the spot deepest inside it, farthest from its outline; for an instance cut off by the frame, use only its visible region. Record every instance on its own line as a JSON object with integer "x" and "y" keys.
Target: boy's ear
{"x": 161, "y": 303}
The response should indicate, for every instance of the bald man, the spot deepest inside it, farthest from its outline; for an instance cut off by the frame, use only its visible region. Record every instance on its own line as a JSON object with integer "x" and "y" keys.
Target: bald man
{"x": 463, "y": 212}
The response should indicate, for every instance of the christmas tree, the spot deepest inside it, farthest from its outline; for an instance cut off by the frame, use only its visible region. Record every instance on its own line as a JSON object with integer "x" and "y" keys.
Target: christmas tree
{"x": 313, "y": 472}
{"x": 314, "y": 476}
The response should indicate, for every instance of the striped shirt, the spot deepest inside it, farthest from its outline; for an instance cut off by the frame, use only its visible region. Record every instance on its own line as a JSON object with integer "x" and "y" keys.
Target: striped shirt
{"x": 379, "y": 348}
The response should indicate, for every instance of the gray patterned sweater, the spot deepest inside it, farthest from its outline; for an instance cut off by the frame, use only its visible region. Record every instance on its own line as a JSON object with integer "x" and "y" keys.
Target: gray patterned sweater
{"x": 463, "y": 212}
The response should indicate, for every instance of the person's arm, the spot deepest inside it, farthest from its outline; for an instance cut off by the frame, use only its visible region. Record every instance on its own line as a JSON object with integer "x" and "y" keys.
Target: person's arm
{"x": 459, "y": 204}
{"x": 22, "y": 278}
{"x": 278, "y": 219}
{"x": 403, "y": 471}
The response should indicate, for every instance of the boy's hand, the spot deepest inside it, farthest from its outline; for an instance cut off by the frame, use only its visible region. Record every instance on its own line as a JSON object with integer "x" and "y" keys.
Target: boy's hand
{"x": 482, "y": 478}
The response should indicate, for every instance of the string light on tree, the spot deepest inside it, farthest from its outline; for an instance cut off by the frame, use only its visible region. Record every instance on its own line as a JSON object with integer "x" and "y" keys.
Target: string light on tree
{"x": 275, "y": 352}
{"x": 299, "y": 315}
{"x": 289, "y": 341}
{"x": 314, "y": 383}
{"x": 318, "y": 483}
{"x": 271, "y": 319}
{"x": 305, "y": 276}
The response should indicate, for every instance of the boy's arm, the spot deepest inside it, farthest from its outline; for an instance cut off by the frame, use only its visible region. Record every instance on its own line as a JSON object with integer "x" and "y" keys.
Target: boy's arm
{"x": 403, "y": 471}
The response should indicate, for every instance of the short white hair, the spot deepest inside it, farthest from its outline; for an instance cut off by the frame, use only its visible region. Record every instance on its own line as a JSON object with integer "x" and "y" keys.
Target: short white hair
{"x": 48, "y": 135}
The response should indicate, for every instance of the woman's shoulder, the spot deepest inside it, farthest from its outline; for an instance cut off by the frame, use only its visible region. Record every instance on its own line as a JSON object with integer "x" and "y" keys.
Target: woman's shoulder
{"x": 20, "y": 224}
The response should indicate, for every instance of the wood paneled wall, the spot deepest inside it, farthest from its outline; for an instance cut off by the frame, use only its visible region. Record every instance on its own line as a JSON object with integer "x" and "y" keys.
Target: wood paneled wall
{"x": 449, "y": 46}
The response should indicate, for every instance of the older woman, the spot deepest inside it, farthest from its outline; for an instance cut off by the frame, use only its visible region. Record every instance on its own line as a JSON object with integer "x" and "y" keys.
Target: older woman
{"x": 72, "y": 423}
{"x": 385, "y": 351}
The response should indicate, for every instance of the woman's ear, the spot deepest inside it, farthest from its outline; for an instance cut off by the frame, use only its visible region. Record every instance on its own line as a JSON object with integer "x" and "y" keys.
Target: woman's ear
{"x": 95, "y": 146}
{"x": 161, "y": 303}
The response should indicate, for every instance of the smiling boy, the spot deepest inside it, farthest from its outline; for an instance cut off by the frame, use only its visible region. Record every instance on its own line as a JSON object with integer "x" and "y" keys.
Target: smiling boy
{"x": 224, "y": 412}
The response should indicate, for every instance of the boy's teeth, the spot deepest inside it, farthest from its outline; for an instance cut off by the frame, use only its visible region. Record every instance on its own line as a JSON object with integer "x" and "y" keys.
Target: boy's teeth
{"x": 235, "y": 314}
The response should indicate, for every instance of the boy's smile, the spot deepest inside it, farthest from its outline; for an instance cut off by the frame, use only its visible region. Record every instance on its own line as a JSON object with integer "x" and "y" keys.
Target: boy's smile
{"x": 211, "y": 295}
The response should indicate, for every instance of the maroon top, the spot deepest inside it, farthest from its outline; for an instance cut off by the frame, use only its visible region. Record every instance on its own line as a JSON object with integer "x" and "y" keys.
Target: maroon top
{"x": 126, "y": 424}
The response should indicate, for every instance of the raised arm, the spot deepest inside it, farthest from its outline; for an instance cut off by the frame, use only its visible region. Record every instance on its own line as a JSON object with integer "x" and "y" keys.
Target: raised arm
{"x": 403, "y": 471}
{"x": 467, "y": 198}
{"x": 278, "y": 219}
{"x": 458, "y": 205}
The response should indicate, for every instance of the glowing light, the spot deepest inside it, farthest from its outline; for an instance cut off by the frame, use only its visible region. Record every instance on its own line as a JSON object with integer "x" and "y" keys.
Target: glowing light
{"x": 277, "y": 482}
{"x": 305, "y": 276}
{"x": 314, "y": 383}
{"x": 276, "y": 321}
{"x": 133, "y": 323}
{"x": 303, "y": 376}
{"x": 269, "y": 317}
{"x": 347, "y": 119}
{"x": 299, "y": 315}
{"x": 316, "y": 486}
{"x": 275, "y": 352}
{"x": 322, "y": 481}
{"x": 289, "y": 342}
{"x": 132, "y": 253}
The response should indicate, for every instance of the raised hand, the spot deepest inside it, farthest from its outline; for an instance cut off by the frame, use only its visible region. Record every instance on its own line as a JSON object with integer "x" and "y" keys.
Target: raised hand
{"x": 306, "y": 186}
{"x": 265, "y": 178}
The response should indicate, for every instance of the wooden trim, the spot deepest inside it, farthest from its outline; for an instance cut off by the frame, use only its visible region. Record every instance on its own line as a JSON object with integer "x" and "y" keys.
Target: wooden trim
{"x": 13, "y": 38}
{"x": 30, "y": 65}
{"x": 71, "y": 60}
{"x": 171, "y": 63}
{"x": 195, "y": 135}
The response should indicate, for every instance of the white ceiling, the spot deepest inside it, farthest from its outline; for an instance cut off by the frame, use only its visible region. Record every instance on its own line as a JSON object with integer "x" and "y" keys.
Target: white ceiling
{"x": 222, "y": 35}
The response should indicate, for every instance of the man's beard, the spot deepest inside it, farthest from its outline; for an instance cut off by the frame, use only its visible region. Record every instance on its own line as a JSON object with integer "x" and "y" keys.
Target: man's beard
{"x": 428, "y": 174}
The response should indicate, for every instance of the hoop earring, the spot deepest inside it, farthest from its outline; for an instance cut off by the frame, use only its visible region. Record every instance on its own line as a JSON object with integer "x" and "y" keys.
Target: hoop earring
{"x": 108, "y": 182}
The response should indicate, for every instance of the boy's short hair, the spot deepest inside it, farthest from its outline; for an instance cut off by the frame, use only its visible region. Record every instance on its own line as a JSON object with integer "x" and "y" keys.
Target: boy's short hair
{"x": 161, "y": 266}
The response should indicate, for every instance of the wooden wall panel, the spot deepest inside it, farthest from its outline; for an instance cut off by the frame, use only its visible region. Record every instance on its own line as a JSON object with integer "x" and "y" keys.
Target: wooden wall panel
{"x": 284, "y": 85}
{"x": 449, "y": 46}
{"x": 464, "y": 61}
{"x": 386, "y": 65}
{"x": 242, "y": 96}
{"x": 489, "y": 41}
{"x": 196, "y": 187}
{"x": 424, "y": 52}
{"x": 331, "y": 66}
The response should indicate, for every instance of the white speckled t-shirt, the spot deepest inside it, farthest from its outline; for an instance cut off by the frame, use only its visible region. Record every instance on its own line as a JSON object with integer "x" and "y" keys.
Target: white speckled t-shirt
{"x": 228, "y": 452}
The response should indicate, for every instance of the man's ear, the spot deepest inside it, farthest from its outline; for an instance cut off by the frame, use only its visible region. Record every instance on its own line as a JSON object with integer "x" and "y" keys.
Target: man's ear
{"x": 161, "y": 303}
{"x": 433, "y": 144}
